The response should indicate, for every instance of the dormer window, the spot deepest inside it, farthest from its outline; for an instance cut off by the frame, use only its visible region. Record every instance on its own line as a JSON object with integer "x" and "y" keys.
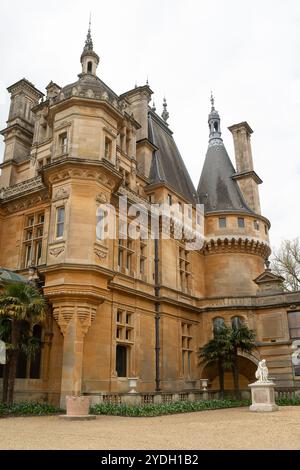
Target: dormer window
{"x": 90, "y": 67}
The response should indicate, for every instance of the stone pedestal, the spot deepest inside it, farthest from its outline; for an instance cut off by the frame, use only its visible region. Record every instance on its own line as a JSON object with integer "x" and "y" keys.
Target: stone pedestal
{"x": 78, "y": 408}
{"x": 263, "y": 396}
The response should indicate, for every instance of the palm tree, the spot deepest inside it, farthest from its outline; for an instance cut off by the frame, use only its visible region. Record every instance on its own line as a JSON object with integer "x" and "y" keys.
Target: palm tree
{"x": 240, "y": 339}
{"x": 18, "y": 303}
{"x": 216, "y": 350}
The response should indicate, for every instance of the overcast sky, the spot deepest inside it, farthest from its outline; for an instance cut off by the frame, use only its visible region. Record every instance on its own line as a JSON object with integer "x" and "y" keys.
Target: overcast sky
{"x": 247, "y": 52}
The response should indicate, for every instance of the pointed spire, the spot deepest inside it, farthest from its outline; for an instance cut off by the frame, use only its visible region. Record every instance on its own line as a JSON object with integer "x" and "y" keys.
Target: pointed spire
{"x": 165, "y": 115}
{"x": 89, "y": 42}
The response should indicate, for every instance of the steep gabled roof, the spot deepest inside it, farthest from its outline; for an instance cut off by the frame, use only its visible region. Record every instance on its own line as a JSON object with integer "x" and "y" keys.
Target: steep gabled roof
{"x": 167, "y": 164}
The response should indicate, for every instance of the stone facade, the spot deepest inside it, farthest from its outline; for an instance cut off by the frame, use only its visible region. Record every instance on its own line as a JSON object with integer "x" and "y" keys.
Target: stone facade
{"x": 142, "y": 309}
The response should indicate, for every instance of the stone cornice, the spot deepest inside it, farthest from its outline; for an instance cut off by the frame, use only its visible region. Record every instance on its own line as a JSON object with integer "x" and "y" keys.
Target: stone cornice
{"x": 80, "y": 168}
{"x": 237, "y": 245}
{"x": 248, "y": 174}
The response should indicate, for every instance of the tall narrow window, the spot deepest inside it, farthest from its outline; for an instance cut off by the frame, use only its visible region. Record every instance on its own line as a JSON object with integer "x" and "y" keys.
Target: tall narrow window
{"x": 35, "y": 362}
{"x": 256, "y": 224}
{"x": 63, "y": 143}
{"x": 143, "y": 256}
{"x": 184, "y": 269}
{"x": 170, "y": 199}
{"x": 60, "y": 221}
{"x": 33, "y": 239}
{"x": 108, "y": 148}
{"x": 186, "y": 348}
{"x": 90, "y": 67}
{"x": 121, "y": 361}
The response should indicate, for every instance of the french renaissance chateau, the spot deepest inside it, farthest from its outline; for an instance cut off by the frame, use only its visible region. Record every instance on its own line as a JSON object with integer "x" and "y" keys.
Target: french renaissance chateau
{"x": 122, "y": 308}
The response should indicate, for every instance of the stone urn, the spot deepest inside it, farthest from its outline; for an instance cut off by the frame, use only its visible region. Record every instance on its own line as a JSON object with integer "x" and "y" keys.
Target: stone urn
{"x": 132, "y": 382}
{"x": 204, "y": 384}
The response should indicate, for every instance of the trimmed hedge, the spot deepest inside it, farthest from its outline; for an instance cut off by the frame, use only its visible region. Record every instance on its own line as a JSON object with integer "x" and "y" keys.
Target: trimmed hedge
{"x": 295, "y": 401}
{"x": 164, "y": 409}
{"x": 27, "y": 409}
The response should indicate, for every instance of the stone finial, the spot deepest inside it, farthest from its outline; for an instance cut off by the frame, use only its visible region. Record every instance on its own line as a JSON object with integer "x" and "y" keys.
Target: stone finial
{"x": 165, "y": 114}
{"x": 212, "y": 100}
{"x": 89, "y": 42}
{"x": 153, "y": 107}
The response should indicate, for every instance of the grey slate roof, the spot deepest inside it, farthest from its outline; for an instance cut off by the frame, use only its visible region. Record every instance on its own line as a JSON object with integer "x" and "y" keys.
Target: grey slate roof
{"x": 88, "y": 81}
{"x": 167, "y": 164}
{"x": 217, "y": 190}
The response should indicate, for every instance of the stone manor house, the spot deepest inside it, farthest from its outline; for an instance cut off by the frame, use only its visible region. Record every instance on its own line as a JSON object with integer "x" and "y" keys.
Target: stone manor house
{"x": 124, "y": 308}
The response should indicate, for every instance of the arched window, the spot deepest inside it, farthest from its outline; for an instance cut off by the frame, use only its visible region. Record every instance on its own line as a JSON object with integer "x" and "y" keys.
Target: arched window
{"x": 218, "y": 324}
{"x": 216, "y": 126}
{"x": 237, "y": 322}
{"x": 90, "y": 67}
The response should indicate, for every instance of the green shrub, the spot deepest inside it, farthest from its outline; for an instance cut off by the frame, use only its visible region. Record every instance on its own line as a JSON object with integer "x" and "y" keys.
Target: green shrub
{"x": 295, "y": 401}
{"x": 27, "y": 408}
{"x": 164, "y": 409}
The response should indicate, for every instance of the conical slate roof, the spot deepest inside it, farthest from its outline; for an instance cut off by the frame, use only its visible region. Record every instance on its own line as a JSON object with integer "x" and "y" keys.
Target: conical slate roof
{"x": 167, "y": 164}
{"x": 217, "y": 190}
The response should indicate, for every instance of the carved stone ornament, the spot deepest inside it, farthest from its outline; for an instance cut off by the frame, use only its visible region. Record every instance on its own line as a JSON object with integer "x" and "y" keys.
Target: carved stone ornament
{"x": 57, "y": 251}
{"x": 101, "y": 253}
{"x": 101, "y": 198}
{"x": 60, "y": 193}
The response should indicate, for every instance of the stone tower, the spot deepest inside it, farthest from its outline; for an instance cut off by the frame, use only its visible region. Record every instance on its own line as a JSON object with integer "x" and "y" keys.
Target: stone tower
{"x": 237, "y": 236}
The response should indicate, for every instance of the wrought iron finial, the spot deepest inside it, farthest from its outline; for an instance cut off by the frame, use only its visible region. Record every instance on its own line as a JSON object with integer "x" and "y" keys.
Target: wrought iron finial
{"x": 165, "y": 114}
{"x": 147, "y": 81}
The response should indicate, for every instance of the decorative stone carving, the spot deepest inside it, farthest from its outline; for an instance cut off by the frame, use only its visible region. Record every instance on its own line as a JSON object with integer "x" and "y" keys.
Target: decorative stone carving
{"x": 101, "y": 198}
{"x": 84, "y": 314}
{"x": 34, "y": 184}
{"x": 101, "y": 253}
{"x": 57, "y": 251}
{"x": 60, "y": 193}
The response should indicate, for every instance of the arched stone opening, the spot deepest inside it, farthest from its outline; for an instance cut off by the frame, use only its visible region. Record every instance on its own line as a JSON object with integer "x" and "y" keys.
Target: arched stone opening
{"x": 247, "y": 368}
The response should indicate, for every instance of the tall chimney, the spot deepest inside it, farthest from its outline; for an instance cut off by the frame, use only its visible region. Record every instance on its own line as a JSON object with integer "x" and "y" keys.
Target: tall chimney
{"x": 246, "y": 177}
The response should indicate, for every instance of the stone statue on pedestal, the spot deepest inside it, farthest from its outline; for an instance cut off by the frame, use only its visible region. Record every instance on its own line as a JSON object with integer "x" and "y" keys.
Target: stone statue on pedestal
{"x": 262, "y": 372}
{"x": 263, "y": 390}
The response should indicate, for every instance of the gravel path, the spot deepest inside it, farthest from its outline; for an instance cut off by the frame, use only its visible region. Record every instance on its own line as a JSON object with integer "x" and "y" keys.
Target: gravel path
{"x": 220, "y": 429}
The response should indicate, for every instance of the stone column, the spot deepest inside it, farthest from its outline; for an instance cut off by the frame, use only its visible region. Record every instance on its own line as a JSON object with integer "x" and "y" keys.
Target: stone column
{"x": 74, "y": 320}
